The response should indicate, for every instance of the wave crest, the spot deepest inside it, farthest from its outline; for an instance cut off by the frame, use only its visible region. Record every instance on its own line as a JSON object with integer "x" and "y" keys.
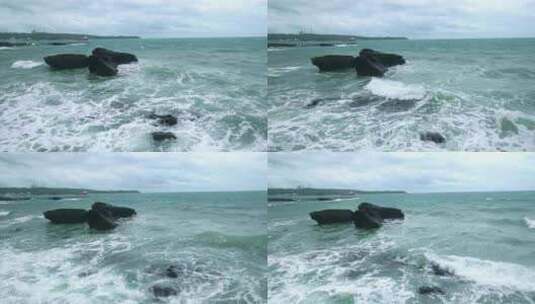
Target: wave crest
{"x": 25, "y": 64}
{"x": 395, "y": 89}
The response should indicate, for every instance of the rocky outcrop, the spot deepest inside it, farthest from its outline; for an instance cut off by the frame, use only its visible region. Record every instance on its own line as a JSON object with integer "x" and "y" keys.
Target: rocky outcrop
{"x": 162, "y": 136}
{"x": 66, "y": 216}
{"x": 67, "y": 61}
{"x": 383, "y": 212}
{"x": 102, "y": 66}
{"x": 115, "y": 57}
{"x": 166, "y": 120}
{"x": 369, "y": 66}
{"x": 101, "y": 216}
{"x": 332, "y": 216}
{"x": 439, "y": 271}
{"x": 366, "y": 220}
{"x": 334, "y": 62}
{"x": 425, "y": 290}
{"x": 160, "y": 291}
{"x": 386, "y": 59}
{"x": 432, "y": 136}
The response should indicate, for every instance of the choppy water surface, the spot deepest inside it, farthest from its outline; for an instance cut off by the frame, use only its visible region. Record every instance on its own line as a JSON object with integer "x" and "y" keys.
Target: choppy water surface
{"x": 486, "y": 240}
{"x": 216, "y": 88}
{"x": 478, "y": 93}
{"x": 216, "y": 241}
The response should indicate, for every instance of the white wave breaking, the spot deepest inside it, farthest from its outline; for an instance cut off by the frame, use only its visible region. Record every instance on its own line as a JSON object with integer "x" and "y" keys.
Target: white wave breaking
{"x": 530, "y": 223}
{"x": 4, "y": 213}
{"x": 488, "y": 273}
{"x": 395, "y": 89}
{"x": 25, "y": 64}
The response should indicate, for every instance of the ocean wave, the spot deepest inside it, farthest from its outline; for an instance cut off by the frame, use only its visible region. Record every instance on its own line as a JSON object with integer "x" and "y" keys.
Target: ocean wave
{"x": 530, "y": 223}
{"x": 4, "y": 213}
{"x": 6, "y": 48}
{"x": 276, "y": 72}
{"x": 23, "y": 219}
{"x": 25, "y": 64}
{"x": 395, "y": 90}
{"x": 488, "y": 273}
{"x": 239, "y": 241}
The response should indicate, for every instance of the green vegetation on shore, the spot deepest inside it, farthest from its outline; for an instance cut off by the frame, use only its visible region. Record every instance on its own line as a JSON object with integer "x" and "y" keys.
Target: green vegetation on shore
{"x": 319, "y": 191}
{"x": 35, "y": 36}
{"x": 56, "y": 191}
{"x": 325, "y": 37}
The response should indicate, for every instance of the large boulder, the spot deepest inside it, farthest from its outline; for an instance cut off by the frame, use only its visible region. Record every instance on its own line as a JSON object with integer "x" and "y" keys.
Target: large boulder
{"x": 383, "y": 212}
{"x": 114, "y": 211}
{"x": 100, "y": 219}
{"x": 386, "y": 59}
{"x": 334, "y": 62}
{"x": 67, "y": 61}
{"x": 332, "y": 216}
{"x": 435, "y": 137}
{"x": 66, "y": 216}
{"x": 116, "y": 57}
{"x": 366, "y": 220}
{"x": 369, "y": 66}
{"x": 102, "y": 66}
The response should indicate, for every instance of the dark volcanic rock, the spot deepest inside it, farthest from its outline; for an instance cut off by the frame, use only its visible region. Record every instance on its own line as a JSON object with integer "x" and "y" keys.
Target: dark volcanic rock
{"x": 172, "y": 272}
{"x": 161, "y": 136}
{"x": 334, "y": 62}
{"x": 163, "y": 291}
{"x": 424, "y": 290}
{"x": 166, "y": 120}
{"x": 366, "y": 220}
{"x": 386, "y": 59}
{"x": 439, "y": 271}
{"x": 67, "y": 61}
{"x": 383, "y": 212}
{"x": 102, "y": 66}
{"x": 116, "y": 57}
{"x": 332, "y": 216}
{"x": 100, "y": 219}
{"x": 317, "y": 101}
{"x": 66, "y": 216}
{"x": 433, "y": 136}
{"x": 116, "y": 212}
{"x": 369, "y": 66}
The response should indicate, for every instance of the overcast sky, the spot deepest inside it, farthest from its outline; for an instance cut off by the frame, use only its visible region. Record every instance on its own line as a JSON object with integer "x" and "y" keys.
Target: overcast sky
{"x": 148, "y": 18}
{"x": 148, "y": 172}
{"x": 413, "y": 172}
{"x": 410, "y": 18}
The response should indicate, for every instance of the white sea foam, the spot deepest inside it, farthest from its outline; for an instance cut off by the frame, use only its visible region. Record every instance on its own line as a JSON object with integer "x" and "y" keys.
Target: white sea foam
{"x": 5, "y": 48}
{"x": 395, "y": 89}
{"x": 25, "y": 64}
{"x": 22, "y": 219}
{"x": 488, "y": 273}
{"x": 4, "y": 213}
{"x": 276, "y": 72}
{"x": 530, "y": 222}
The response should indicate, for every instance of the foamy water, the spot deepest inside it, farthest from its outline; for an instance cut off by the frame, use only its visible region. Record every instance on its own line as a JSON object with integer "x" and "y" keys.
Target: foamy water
{"x": 26, "y": 64}
{"x": 476, "y": 101}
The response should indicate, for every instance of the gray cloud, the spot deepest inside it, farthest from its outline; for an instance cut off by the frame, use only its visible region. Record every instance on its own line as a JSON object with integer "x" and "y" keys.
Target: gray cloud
{"x": 150, "y": 172}
{"x": 414, "y": 172}
{"x": 152, "y": 18}
{"x": 411, "y": 18}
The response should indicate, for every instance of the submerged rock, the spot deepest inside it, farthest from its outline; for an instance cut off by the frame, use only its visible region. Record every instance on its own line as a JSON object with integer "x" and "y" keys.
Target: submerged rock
{"x": 161, "y": 136}
{"x": 101, "y": 219}
{"x": 507, "y": 128}
{"x": 115, "y": 57}
{"x": 102, "y": 66}
{"x": 439, "y": 271}
{"x": 67, "y": 61}
{"x": 334, "y": 62}
{"x": 366, "y": 220}
{"x": 166, "y": 120}
{"x": 424, "y": 290}
{"x": 332, "y": 216}
{"x": 163, "y": 291}
{"x": 66, "y": 216}
{"x": 432, "y": 136}
{"x": 384, "y": 212}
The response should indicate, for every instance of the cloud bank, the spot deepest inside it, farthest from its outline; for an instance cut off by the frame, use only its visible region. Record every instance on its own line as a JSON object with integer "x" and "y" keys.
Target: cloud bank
{"x": 148, "y": 18}
{"x": 413, "y": 172}
{"x": 410, "y": 18}
{"x": 148, "y": 172}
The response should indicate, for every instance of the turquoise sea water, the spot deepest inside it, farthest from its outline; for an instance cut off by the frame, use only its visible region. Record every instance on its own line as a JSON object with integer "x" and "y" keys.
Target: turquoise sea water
{"x": 486, "y": 239}
{"x": 217, "y": 240}
{"x": 216, "y": 88}
{"x": 478, "y": 93}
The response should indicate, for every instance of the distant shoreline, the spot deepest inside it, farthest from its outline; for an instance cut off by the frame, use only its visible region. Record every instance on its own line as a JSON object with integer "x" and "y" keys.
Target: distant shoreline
{"x": 37, "y": 36}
